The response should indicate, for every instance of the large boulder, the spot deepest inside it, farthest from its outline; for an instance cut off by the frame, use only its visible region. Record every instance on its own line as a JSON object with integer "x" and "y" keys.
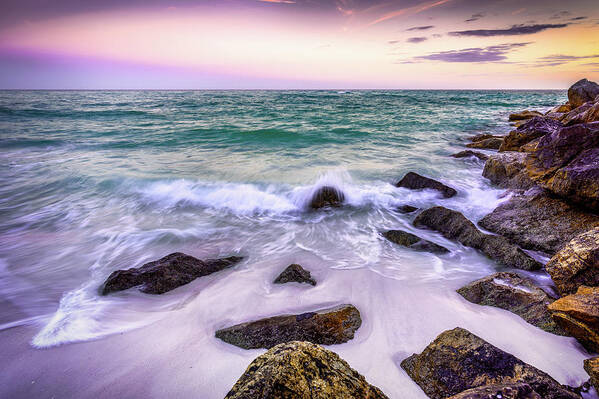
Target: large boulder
{"x": 515, "y": 293}
{"x": 327, "y": 327}
{"x": 581, "y": 92}
{"x": 508, "y": 170}
{"x": 327, "y": 196}
{"x": 453, "y": 225}
{"x": 500, "y": 391}
{"x": 295, "y": 273}
{"x": 493, "y": 143}
{"x": 412, "y": 241}
{"x": 524, "y": 115}
{"x": 578, "y": 315}
{"x": 458, "y": 360}
{"x": 301, "y": 370}
{"x": 539, "y": 222}
{"x": 591, "y": 366}
{"x": 414, "y": 181}
{"x": 165, "y": 274}
{"x": 586, "y": 113}
{"x": 577, "y": 263}
{"x": 534, "y": 128}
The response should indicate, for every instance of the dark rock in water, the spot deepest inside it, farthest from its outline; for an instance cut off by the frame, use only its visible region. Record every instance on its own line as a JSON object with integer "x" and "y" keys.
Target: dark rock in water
{"x": 539, "y": 222}
{"x": 470, "y": 153}
{"x": 500, "y": 391}
{"x": 458, "y": 360}
{"x": 301, "y": 370}
{"x": 415, "y": 181}
{"x": 327, "y": 196}
{"x": 577, "y": 263}
{"x": 591, "y": 366}
{"x": 483, "y": 136}
{"x": 524, "y": 115}
{"x": 295, "y": 273}
{"x": 452, "y": 224}
{"x": 534, "y": 128}
{"x": 413, "y": 241}
{"x": 326, "y": 327}
{"x": 508, "y": 170}
{"x": 166, "y": 274}
{"x": 406, "y": 209}
{"x": 517, "y": 294}
{"x": 581, "y": 92}
{"x": 488, "y": 144}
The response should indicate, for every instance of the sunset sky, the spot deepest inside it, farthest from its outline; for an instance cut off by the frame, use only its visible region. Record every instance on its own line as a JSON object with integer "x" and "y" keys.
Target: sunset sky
{"x": 198, "y": 44}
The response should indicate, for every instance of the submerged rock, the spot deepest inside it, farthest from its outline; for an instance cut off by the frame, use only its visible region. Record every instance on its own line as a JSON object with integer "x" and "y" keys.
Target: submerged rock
{"x": 539, "y": 222}
{"x": 581, "y": 92}
{"x": 452, "y": 224}
{"x": 327, "y": 196}
{"x": 515, "y": 293}
{"x": 577, "y": 263}
{"x": 326, "y": 327}
{"x": 415, "y": 181}
{"x": 458, "y": 360}
{"x": 534, "y": 128}
{"x": 508, "y": 170}
{"x": 524, "y": 115}
{"x": 295, "y": 273}
{"x": 489, "y": 144}
{"x": 406, "y": 209}
{"x": 300, "y": 370}
{"x": 470, "y": 153}
{"x": 499, "y": 391}
{"x": 165, "y": 274}
{"x": 591, "y": 366}
{"x": 413, "y": 241}
{"x": 578, "y": 314}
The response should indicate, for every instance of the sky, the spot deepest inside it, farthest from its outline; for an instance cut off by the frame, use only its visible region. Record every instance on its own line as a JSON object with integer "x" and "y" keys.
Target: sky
{"x": 297, "y": 44}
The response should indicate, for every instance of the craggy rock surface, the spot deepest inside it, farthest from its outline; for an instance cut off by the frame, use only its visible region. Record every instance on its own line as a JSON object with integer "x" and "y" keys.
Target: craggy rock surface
{"x": 406, "y": 209}
{"x": 165, "y": 274}
{"x": 458, "y": 360}
{"x": 578, "y": 314}
{"x": 581, "y": 92}
{"x": 524, "y": 115}
{"x": 469, "y": 154}
{"x": 483, "y": 136}
{"x": 413, "y": 241}
{"x": 327, "y": 196}
{"x": 534, "y": 128}
{"x": 295, "y": 273}
{"x": 452, "y": 224}
{"x": 586, "y": 113}
{"x": 591, "y": 366}
{"x": 517, "y": 294}
{"x": 415, "y": 181}
{"x": 503, "y": 391}
{"x": 301, "y": 370}
{"x": 327, "y": 327}
{"x": 577, "y": 263}
{"x": 489, "y": 144}
{"x": 507, "y": 170}
{"x": 539, "y": 222}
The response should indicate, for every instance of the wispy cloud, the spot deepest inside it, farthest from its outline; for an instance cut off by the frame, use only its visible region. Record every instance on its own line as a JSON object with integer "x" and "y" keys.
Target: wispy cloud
{"x": 560, "y": 59}
{"x": 495, "y": 53}
{"x": 278, "y": 1}
{"x": 408, "y": 11}
{"x": 416, "y": 39}
{"x": 427, "y": 27}
{"x": 475, "y": 17}
{"x": 513, "y": 31}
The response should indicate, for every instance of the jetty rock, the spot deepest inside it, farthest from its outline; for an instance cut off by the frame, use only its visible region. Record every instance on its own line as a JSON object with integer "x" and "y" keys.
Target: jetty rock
{"x": 524, "y": 115}
{"x": 327, "y": 196}
{"x": 532, "y": 129}
{"x": 503, "y": 391}
{"x": 470, "y": 154}
{"x": 295, "y": 273}
{"x": 581, "y": 92}
{"x": 591, "y": 366}
{"x": 493, "y": 143}
{"x": 508, "y": 170}
{"x": 414, "y": 181}
{"x": 412, "y": 241}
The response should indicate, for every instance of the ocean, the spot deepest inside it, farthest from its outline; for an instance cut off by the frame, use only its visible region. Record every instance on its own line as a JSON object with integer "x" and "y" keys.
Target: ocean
{"x": 94, "y": 181}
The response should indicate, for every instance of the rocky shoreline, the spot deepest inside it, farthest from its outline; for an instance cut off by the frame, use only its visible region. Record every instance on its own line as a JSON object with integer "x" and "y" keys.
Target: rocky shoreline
{"x": 550, "y": 165}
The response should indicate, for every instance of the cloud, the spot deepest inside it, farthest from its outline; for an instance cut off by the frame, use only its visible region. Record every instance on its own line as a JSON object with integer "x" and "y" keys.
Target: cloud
{"x": 559, "y": 59}
{"x": 513, "y": 31}
{"x": 279, "y": 1}
{"x": 477, "y": 54}
{"x": 408, "y": 11}
{"x": 475, "y": 17}
{"x": 578, "y": 18}
{"x": 417, "y": 39}
{"x": 427, "y": 27}
{"x": 560, "y": 15}
{"x": 393, "y": 41}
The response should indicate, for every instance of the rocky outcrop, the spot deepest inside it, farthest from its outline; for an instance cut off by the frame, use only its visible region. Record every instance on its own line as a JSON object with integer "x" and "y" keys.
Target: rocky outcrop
{"x": 578, "y": 314}
{"x": 524, "y": 115}
{"x": 499, "y": 391}
{"x": 413, "y": 241}
{"x": 508, "y": 170}
{"x": 586, "y": 113}
{"x": 560, "y": 109}
{"x": 577, "y": 263}
{"x": 299, "y": 370}
{"x": 453, "y": 225}
{"x": 591, "y": 366}
{"x": 539, "y": 222}
{"x": 515, "y": 293}
{"x": 165, "y": 274}
{"x": 414, "y": 181}
{"x": 406, "y": 209}
{"x": 488, "y": 144}
{"x": 581, "y": 92}
{"x": 326, "y": 327}
{"x": 482, "y": 136}
{"x": 458, "y": 360}
{"x": 295, "y": 273}
{"x": 471, "y": 154}
{"x": 327, "y": 196}
{"x": 534, "y": 128}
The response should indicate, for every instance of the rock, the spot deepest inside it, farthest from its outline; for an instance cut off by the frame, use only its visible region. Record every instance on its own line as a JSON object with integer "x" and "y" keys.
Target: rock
{"x": 517, "y": 294}
{"x": 412, "y": 241}
{"x": 414, "y": 181}
{"x": 564, "y": 108}
{"x": 578, "y": 315}
{"x": 326, "y": 327}
{"x": 524, "y": 115}
{"x": 406, "y": 209}
{"x": 591, "y": 366}
{"x": 458, "y": 360}
{"x": 508, "y": 170}
{"x": 576, "y": 115}
{"x": 482, "y": 136}
{"x": 532, "y": 129}
{"x": 497, "y": 391}
{"x": 470, "y": 153}
{"x": 488, "y": 144}
{"x": 577, "y": 263}
{"x": 581, "y": 92}
{"x": 165, "y": 274}
{"x": 301, "y": 370}
{"x": 539, "y": 222}
{"x": 327, "y": 196}
{"x": 295, "y": 273}
{"x": 452, "y": 224}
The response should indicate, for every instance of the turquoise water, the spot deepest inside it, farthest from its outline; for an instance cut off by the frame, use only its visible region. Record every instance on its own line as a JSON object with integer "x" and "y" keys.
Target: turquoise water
{"x": 93, "y": 181}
